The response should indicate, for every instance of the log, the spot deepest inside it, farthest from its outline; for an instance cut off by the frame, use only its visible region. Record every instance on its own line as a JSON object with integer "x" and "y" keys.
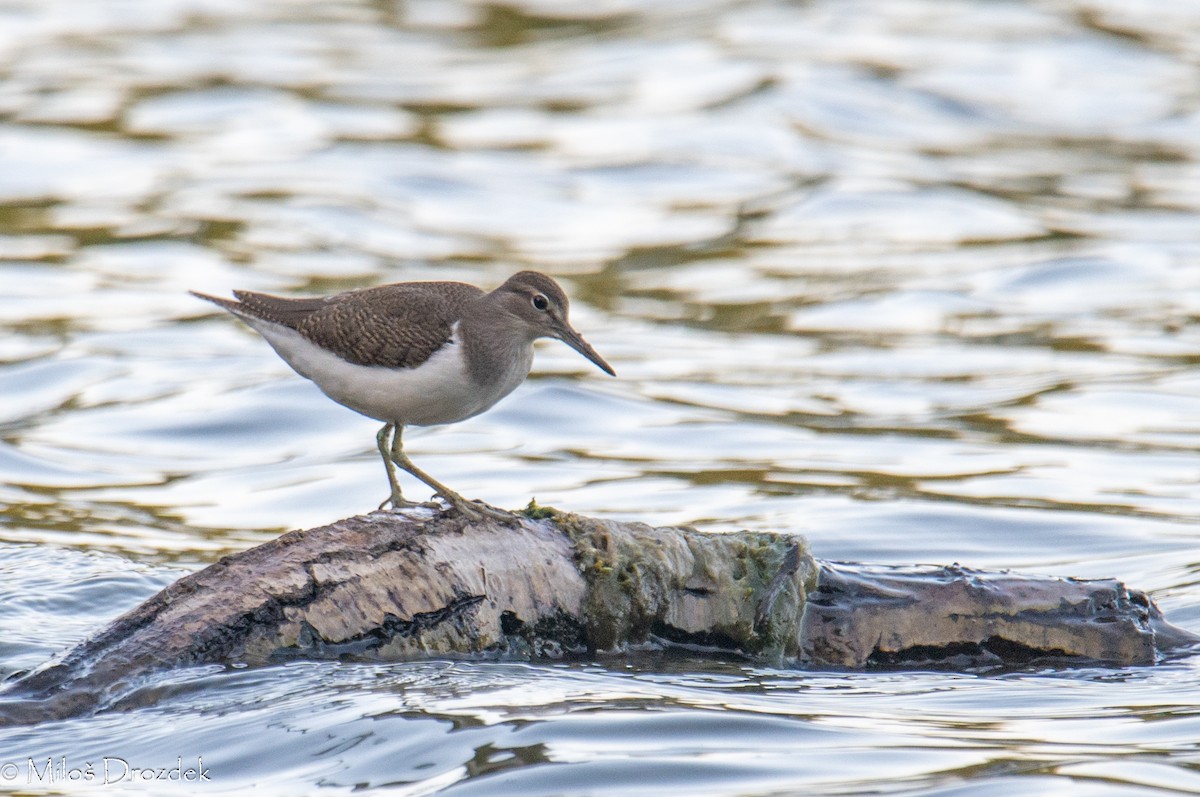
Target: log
{"x": 416, "y": 584}
{"x": 864, "y": 616}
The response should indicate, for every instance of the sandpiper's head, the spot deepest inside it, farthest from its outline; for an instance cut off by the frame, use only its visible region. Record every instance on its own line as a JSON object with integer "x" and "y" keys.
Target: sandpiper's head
{"x": 538, "y": 303}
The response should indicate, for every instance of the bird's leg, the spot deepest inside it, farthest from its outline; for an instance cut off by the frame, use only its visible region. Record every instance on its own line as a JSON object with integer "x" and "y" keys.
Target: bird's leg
{"x": 475, "y": 510}
{"x": 396, "y": 499}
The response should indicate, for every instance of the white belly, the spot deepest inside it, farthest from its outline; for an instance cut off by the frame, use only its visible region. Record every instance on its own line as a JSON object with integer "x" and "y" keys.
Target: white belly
{"x": 440, "y": 390}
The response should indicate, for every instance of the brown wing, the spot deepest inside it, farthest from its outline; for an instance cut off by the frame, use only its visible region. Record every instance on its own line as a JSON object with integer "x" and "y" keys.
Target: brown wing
{"x": 395, "y": 326}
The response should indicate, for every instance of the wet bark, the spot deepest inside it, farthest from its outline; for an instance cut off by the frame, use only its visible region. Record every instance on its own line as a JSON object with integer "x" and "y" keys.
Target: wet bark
{"x": 389, "y": 586}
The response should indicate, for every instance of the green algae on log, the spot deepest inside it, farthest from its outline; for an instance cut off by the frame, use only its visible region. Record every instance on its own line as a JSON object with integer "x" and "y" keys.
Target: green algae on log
{"x": 401, "y": 586}
{"x": 742, "y": 593}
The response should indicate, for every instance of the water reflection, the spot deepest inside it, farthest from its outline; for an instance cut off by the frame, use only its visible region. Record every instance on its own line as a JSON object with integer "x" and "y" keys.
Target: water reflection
{"x": 915, "y": 279}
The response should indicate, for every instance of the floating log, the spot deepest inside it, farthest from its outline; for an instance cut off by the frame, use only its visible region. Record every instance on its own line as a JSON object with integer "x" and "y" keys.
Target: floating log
{"x": 401, "y": 586}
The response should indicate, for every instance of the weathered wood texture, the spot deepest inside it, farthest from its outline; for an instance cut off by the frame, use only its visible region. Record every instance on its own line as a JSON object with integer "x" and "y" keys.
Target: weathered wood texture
{"x": 394, "y": 587}
{"x": 864, "y": 615}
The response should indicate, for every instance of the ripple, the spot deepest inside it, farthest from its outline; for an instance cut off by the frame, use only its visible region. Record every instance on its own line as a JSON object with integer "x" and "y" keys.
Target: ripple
{"x": 914, "y": 279}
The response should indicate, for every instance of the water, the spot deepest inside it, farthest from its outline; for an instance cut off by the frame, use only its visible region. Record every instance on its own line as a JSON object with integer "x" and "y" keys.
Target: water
{"x": 918, "y": 279}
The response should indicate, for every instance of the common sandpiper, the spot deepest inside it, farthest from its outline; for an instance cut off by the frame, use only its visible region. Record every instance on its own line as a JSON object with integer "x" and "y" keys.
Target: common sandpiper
{"x": 416, "y": 354}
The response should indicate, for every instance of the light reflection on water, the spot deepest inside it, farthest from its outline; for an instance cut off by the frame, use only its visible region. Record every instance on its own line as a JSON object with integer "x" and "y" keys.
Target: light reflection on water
{"x": 916, "y": 279}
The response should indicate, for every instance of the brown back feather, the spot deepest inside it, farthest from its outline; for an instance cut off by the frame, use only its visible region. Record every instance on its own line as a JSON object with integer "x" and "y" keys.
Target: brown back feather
{"x": 395, "y": 326}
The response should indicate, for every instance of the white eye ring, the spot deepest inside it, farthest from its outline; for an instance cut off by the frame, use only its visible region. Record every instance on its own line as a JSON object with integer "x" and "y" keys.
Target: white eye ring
{"x": 540, "y": 302}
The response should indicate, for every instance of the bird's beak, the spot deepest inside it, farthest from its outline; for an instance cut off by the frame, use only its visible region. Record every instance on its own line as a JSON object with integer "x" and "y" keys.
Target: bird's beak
{"x": 573, "y": 339}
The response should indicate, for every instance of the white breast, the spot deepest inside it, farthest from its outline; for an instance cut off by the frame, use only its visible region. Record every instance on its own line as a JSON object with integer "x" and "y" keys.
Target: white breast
{"x": 438, "y": 391}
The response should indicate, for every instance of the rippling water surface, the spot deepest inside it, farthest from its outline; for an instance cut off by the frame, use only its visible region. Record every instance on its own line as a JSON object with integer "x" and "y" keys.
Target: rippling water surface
{"x": 919, "y": 279}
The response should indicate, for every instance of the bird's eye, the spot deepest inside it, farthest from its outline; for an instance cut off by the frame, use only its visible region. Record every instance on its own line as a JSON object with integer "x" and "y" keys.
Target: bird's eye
{"x": 540, "y": 302}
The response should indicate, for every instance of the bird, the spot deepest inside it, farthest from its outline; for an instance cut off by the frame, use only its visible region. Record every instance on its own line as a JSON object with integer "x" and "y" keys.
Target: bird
{"x": 415, "y": 354}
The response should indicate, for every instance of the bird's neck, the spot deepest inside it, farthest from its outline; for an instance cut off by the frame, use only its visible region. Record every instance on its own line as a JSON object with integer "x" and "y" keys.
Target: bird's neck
{"x": 497, "y": 345}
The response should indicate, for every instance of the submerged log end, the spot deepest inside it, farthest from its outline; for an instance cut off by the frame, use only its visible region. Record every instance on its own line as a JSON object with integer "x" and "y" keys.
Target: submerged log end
{"x": 863, "y": 615}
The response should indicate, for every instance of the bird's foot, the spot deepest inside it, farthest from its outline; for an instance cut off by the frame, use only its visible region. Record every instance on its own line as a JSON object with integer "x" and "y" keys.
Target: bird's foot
{"x": 478, "y": 510}
{"x": 397, "y": 501}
